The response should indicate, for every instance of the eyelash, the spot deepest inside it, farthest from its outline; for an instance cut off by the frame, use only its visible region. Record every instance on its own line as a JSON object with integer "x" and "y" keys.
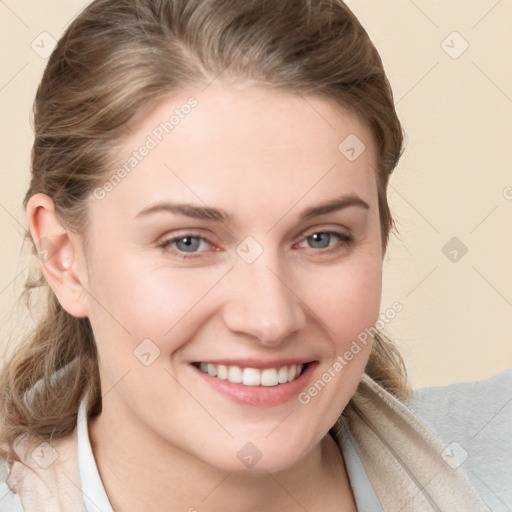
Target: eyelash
{"x": 345, "y": 241}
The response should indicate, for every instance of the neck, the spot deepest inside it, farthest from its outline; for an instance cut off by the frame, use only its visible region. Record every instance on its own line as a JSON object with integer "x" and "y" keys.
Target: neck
{"x": 149, "y": 476}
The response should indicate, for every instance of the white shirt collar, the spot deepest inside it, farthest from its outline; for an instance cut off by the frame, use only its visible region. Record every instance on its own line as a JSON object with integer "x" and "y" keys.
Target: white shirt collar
{"x": 94, "y": 494}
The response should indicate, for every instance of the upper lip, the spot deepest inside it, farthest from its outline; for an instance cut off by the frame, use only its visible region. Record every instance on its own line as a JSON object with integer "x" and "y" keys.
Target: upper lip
{"x": 257, "y": 363}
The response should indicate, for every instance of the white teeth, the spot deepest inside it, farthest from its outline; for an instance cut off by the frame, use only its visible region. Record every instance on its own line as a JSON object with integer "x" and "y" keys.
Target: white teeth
{"x": 252, "y": 376}
{"x": 269, "y": 377}
{"x": 222, "y": 371}
{"x": 235, "y": 374}
{"x": 282, "y": 375}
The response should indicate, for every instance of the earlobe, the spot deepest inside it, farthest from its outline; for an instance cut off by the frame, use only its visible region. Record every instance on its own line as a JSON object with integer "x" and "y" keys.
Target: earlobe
{"x": 59, "y": 253}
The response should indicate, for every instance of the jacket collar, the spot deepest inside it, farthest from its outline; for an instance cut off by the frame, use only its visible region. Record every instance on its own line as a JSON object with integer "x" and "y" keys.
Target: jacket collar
{"x": 402, "y": 456}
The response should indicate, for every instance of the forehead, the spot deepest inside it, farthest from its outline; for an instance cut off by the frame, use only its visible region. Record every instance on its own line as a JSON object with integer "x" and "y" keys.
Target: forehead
{"x": 234, "y": 146}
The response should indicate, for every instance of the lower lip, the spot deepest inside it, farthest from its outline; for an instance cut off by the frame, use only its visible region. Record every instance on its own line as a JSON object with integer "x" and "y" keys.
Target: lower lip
{"x": 260, "y": 396}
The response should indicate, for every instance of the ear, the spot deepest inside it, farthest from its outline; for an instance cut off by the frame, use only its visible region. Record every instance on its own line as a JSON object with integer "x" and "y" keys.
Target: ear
{"x": 60, "y": 255}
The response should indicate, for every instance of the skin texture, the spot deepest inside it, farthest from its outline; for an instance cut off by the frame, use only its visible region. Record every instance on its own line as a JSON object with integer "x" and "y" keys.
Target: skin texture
{"x": 262, "y": 156}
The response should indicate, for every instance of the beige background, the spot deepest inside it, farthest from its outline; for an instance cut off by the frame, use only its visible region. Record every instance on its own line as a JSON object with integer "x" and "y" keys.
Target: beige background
{"x": 455, "y": 178}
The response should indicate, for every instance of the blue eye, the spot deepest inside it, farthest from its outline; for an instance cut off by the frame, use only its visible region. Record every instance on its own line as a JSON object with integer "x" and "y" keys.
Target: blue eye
{"x": 189, "y": 245}
{"x": 322, "y": 239}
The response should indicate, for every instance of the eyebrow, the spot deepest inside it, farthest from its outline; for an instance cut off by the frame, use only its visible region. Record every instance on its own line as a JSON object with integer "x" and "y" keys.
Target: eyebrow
{"x": 220, "y": 215}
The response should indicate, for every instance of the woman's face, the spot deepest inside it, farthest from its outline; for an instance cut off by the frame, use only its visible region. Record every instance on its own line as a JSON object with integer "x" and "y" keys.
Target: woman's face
{"x": 216, "y": 246}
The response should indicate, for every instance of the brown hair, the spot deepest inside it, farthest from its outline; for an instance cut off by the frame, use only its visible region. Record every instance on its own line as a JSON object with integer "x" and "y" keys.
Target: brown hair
{"x": 114, "y": 62}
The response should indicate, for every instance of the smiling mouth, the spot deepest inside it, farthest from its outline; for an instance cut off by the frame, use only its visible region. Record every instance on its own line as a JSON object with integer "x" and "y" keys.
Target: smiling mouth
{"x": 253, "y": 376}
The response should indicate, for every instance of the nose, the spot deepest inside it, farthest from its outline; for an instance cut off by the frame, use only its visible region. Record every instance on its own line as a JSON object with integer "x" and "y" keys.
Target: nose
{"x": 262, "y": 304}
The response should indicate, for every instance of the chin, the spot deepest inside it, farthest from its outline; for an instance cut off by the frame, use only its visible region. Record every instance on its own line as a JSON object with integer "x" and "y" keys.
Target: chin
{"x": 259, "y": 456}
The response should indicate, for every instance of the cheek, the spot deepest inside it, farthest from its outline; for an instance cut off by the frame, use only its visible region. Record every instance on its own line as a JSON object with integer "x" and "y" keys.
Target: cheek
{"x": 133, "y": 302}
{"x": 349, "y": 306}
{"x": 348, "y": 303}
{"x": 348, "y": 300}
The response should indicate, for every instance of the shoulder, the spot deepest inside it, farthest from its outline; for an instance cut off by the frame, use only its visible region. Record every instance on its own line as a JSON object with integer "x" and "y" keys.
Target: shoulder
{"x": 461, "y": 408}
{"x": 474, "y": 421}
{"x": 41, "y": 476}
{"x": 9, "y": 501}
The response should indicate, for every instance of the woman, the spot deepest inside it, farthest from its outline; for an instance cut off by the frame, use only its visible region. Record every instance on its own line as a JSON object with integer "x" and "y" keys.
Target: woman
{"x": 208, "y": 204}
